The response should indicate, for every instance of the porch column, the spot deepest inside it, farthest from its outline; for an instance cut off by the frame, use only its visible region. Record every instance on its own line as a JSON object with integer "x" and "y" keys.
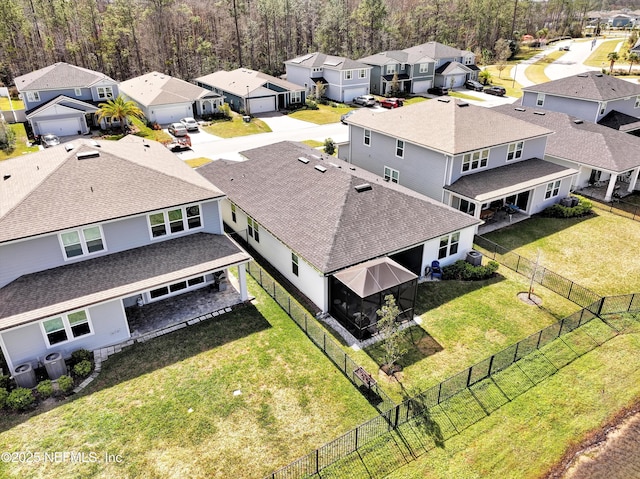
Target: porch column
{"x": 242, "y": 280}
{"x": 612, "y": 184}
{"x": 633, "y": 180}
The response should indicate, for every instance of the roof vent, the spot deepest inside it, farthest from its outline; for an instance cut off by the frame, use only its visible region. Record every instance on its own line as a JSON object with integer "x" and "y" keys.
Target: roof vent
{"x": 316, "y": 157}
{"x": 69, "y": 146}
{"x": 582, "y": 75}
{"x": 83, "y": 155}
{"x": 444, "y": 100}
{"x": 320, "y": 168}
{"x": 542, "y": 113}
{"x": 95, "y": 143}
{"x": 363, "y": 187}
{"x": 462, "y": 103}
{"x": 6, "y": 177}
{"x": 599, "y": 75}
{"x": 578, "y": 121}
{"x": 520, "y": 109}
{"x": 302, "y": 159}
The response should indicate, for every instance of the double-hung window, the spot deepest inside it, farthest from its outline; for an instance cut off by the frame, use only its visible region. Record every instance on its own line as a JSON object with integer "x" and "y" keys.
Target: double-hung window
{"x": 540, "y": 99}
{"x": 553, "y": 189}
{"x": 234, "y": 217}
{"x": 391, "y": 69}
{"x": 296, "y": 96}
{"x": 362, "y": 73}
{"x": 475, "y": 160}
{"x": 348, "y": 74}
{"x": 253, "y": 228}
{"x": 66, "y": 327}
{"x": 514, "y": 151}
{"x": 33, "y": 96}
{"x": 391, "y": 175}
{"x": 294, "y": 263}
{"x": 175, "y": 220}
{"x": 603, "y": 107}
{"x": 367, "y": 137}
{"x": 82, "y": 242}
{"x": 105, "y": 92}
{"x": 448, "y": 245}
{"x": 400, "y": 148}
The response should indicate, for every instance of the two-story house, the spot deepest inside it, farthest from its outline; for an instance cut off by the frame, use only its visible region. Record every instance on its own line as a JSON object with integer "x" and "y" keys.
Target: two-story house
{"x": 93, "y": 233}
{"x": 472, "y": 158}
{"x": 342, "y": 236}
{"x": 62, "y": 99}
{"x": 343, "y": 78}
{"x": 421, "y": 67}
{"x": 253, "y": 91}
{"x": 591, "y": 96}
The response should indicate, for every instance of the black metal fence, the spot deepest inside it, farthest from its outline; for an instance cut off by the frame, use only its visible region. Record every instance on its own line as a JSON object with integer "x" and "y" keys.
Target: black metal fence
{"x": 619, "y": 207}
{"x": 319, "y": 337}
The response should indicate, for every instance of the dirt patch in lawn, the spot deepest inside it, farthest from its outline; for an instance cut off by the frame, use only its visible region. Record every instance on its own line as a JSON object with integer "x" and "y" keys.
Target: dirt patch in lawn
{"x": 530, "y": 299}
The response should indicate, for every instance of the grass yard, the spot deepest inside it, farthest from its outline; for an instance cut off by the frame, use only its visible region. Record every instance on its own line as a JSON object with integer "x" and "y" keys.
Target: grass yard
{"x": 323, "y": 115}
{"x": 143, "y": 131}
{"x": 236, "y": 127}
{"x": 168, "y": 407}
{"x": 462, "y": 96}
{"x": 21, "y": 143}
{"x": 599, "y": 56}
{"x": 596, "y": 252}
{"x": 313, "y": 143}
{"x": 535, "y": 72}
{"x": 6, "y": 104}
{"x": 514, "y": 89}
{"x": 415, "y": 99}
{"x": 196, "y": 162}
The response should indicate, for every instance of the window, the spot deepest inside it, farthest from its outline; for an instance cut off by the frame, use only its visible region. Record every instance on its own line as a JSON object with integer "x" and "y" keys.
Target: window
{"x": 253, "y": 228}
{"x": 176, "y": 287}
{"x": 637, "y": 104}
{"x": 448, "y": 245}
{"x": 105, "y": 92}
{"x": 78, "y": 91}
{"x": 514, "y": 151}
{"x": 294, "y": 263}
{"x": 234, "y": 218}
{"x": 175, "y": 221}
{"x": 553, "y": 189}
{"x": 391, "y": 175}
{"x": 348, "y": 74}
{"x": 391, "y": 69}
{"x": 66, "y": 327}
{"x": 424, "y": 67}
{"x": 603, "y": 107}
{"x": 475, "y": 160}
{"x": 540, "y": 99}
{"x": 296, "y": 97}
{"x": 82, "y": 242}
{"x": 463, "y": 205}
{"x": 362, "y": 73}
{"x": 367, "y": 137}
{"x": 400, "y": 148}
{"x": 33, "y": 96}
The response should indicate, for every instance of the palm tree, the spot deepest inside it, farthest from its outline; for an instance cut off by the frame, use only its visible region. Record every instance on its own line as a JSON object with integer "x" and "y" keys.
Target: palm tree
{"x": 119, "y": 109}
{"x": 612, "y": 57}
{"x": 632, "y": 58}
{"x": 484, "y": 76}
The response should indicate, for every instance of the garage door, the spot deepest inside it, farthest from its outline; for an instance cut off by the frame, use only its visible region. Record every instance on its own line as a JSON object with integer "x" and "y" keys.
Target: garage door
{"x": 459, "y": 80}
{"x": 262, "y": 105}
{"x": 66, "y": 127}
{"x": 421, "y": 86}
{"x": 351, "y": 93}
{"x": 171, "y": 114}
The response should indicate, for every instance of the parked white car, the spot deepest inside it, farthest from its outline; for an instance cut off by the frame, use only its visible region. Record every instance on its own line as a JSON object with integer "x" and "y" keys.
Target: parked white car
{"x": 365, "y": 100}
{"x": 190, "y": 124}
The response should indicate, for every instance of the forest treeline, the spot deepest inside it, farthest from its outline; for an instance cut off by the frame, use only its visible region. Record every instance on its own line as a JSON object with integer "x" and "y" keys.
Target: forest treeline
{"x": 188, "y": 38}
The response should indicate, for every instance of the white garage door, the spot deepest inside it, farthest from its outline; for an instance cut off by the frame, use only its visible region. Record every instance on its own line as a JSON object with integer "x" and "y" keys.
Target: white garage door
{"x": 262, "y": 105}
{"x": 459, "y": 80}
{"x": 171, "y": 114}
{"x": 421, "y": 86}
{"x": 66, "y": 127}
{"x": 351, "y": 93}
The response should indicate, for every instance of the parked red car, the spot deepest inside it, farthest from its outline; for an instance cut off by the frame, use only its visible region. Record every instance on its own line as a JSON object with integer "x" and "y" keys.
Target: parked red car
{"x": 392, "y": 102}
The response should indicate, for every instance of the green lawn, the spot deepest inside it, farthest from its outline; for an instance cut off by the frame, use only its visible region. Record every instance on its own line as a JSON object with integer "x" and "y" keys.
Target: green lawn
{"x": 535, "y": 72}
{"x": 21, "y": 143}
{"x": 463, "y": 96}
{"x": 313, "y": 143}
{"x": 6, "y": 104}
{"x": 593, "y": 252}
{"x": 323, "y": 115}
{"x": 237, "y": 127}
{"x": 168, "y": 407}
{"x": 514, "y": 89}
{"x": 196, "y": 162}
{"x": 415, "y": 99}
{"x": 599, "y": 56}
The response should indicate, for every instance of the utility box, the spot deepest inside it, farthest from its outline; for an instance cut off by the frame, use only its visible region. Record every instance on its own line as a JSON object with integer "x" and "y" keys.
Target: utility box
{"x": 568, "y": 202}
{"x": 55, "y": 365}
{"x": 25, "y": 376}
{"x": 474, "y": 257}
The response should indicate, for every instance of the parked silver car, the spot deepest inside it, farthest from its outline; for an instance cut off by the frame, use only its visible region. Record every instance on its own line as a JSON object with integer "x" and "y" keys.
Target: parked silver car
{"x": 365, "y": 100}
{"x": 190, "y": 124}
{"x": 49, "y": 139}
{"x": 177, "y": 129}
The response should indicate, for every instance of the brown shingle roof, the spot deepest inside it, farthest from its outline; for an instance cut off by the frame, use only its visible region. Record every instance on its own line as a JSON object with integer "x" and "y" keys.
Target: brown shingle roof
{"x": 60, "y": 75}
{"x": 53, "y": 291}
{"x": 321, "y": 216}
{"x": 589, "y": 86}
{"x": 52, "y": 190}
{"x": 155, "y": 88}
{"x": 447, "y": 125}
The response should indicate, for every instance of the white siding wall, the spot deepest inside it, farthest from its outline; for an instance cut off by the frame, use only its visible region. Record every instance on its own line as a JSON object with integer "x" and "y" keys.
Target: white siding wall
{"x": 431, "y": 249}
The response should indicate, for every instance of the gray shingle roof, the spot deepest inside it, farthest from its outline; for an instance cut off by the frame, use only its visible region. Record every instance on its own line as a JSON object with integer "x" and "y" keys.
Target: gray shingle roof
{"x": 330, "y": 62}
{"x": 620, "y": 121}
{"x": 65, "y": 101}
{"x": 52, "y": 190}
{"x": 589, "y": 86}
{"x": 53, "y": 291}
{"x": 585, "y": 143}
{"x": 237, "y": 81}
{"x": 509, "y": 179}
{"x": 436, "y": 50}
{"x": 155, "y": 88}
{"x": 60, "y": 75}
{"x": 447, "y": 125}
{"x": 321, "y": 216}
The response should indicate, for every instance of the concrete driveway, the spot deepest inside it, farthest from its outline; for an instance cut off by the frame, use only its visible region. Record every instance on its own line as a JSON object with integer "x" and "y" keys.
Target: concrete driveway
{"x": 279, "y": 122}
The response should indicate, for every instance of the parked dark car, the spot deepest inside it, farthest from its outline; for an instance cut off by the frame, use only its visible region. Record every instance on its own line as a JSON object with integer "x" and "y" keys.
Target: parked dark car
{"x": 473, "y": 85}
{"x": 438, "y": 90}
{"x": 392, "y": 102}
{"x": 495, "y": 90}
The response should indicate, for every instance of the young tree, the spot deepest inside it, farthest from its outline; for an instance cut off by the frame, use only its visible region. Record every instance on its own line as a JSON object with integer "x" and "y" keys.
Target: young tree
{"x": 329, "y": 146}
{"x": 632, "y": 58}
{"x": 502, "y": 54}
{"x": 320, "y": 89}
{"x": 119, "y": 109}
{"x": 394, "y": 87}
{"x": 392, "y": 336}
{"x": 612, "y": 57}
{"x": 7, "y": 137}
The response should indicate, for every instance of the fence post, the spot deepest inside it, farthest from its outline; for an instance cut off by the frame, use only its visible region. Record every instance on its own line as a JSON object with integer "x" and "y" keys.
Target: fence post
{"x": 469, "y": 376}
{"x": 439, "y": 391}
{"x": 570, "y": 289}
{"x": 274, "y": 290}
{"x": 324, "y": 342}
{"x": 539, "y": 338}
{"x": 395, "y": 425}
{"x": 260, "y": 271}
{"x": 317, "y": 461}
{"x": 490, "y": 365}
{"x": 631, "y": 302}
{"x": 561, "y": 326}
{"x": 289, "y": 309}
{"x": 357, "y": 429}
{"x": 345, "y": 363}
{"x": 515, "y": 355}
{"x": 518, "y": 264}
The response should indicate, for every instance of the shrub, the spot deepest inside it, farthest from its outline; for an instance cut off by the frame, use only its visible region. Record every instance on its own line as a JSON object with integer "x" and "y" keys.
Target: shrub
{"x": 83, "y": 368}
{"x": 4, "y": 382}
{"x": 80, "y": 355}
{"x": 583, "y": 208}
{"x": 20, "y": 399}
{"x": 45, "y": 388}
{"x": 311, "y": 105}
{"x": 329, "y": 146}
{"x": 65, "y": 383}
{"x": 462, "y": 270}
{"x": 4, "y": 394}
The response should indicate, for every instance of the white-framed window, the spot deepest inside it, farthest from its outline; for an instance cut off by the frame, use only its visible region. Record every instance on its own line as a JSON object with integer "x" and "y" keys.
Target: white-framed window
{"x": 78, "y": 91}
{"x": 348, "y": 74}
{"x": 66, "y": 327}
{"x": 475, "y": 160}
{"x": 463, "y": 205}
{"x": 637, "y": 104}
{"x": 176, "y": 288}
{"x": 253, "y": 228}
{"x": 540, "y": 99}
{"x": 296, "y": 97}
{"x": 362, "y": 73}
{"x": 553, "y": 189}
{"x": 391, "y": 175}
{"x": 82, "y": 242}
{"x": 424, "y": 68}
{"x": 514, "y": 150}
{"x": 367, "y": 137}
{"x": 105, "y": 92}
{"x": 400, "y": 148}
{"x": 234, "y": 217}
{"x": 448, "y": 245}
{"x": 33, "y": 95}
{"x": 294, "y": 263}
{"x": 175, "y": 220}
{"x": 391, "y": 69}
{"x": 603, "y": 107}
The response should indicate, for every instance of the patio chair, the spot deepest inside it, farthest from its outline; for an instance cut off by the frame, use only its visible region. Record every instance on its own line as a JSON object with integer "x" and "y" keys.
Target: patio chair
{"x": 436, "y": 271}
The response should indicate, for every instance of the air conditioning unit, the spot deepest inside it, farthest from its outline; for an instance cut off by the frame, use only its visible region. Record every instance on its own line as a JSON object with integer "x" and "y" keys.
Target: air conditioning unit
{"x": 25, "y": 376}
{"x": 55, "y": 365}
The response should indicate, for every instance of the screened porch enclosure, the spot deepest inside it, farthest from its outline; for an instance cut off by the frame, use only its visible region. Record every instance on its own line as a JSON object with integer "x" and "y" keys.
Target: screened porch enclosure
{"x": 357, "y": 293}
